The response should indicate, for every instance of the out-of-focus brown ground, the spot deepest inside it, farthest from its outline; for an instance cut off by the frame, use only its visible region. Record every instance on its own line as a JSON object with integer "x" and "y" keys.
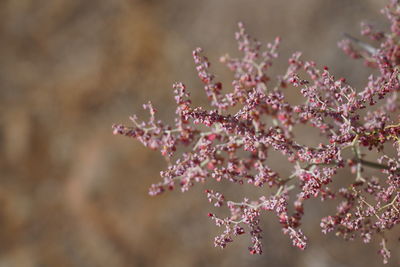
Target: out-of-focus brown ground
{"x": 71, "y": 193}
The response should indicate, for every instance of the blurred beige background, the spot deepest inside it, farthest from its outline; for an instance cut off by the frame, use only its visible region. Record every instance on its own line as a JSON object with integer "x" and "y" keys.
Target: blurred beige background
{"x": 71, "y": 193}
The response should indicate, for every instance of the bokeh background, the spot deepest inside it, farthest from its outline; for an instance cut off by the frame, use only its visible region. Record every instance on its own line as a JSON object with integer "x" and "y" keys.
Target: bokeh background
{"x": 72, "y": 194}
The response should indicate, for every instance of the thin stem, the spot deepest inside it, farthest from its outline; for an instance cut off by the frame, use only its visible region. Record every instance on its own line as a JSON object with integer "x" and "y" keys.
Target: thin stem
{"x": 373, "y": 164}
{"x": 391, "y": 204}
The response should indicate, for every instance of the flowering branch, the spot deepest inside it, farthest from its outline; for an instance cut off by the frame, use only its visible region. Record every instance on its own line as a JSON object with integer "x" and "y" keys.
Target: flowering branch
{"x": 232, "y": 140}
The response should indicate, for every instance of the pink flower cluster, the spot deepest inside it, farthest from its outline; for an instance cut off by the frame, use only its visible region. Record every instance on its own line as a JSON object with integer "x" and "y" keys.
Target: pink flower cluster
{"x": 232, "y": 139}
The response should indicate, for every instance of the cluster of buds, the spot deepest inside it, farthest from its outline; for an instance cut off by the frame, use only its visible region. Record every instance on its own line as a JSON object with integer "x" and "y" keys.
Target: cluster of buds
{"x": 231, "y": 140}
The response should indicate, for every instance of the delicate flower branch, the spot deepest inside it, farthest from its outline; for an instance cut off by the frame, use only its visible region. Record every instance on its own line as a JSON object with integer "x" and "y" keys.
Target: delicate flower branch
{"x": 232, "y": 141}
